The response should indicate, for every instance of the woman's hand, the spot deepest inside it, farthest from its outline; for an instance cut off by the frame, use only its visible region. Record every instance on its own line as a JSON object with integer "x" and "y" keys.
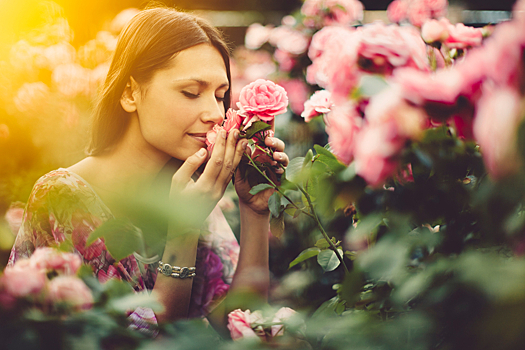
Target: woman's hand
{"x": 259, "y": 202}
{"x": 196, "y": 199}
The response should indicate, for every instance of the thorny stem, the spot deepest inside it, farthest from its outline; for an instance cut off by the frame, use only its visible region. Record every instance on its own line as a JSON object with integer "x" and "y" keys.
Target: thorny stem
{"x": 277, "y": 187}
{"x": 322, "y": 229}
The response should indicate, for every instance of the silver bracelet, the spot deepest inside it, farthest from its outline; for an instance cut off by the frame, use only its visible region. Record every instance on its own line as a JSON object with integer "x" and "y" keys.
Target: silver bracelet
{"x": 176, "y": 271}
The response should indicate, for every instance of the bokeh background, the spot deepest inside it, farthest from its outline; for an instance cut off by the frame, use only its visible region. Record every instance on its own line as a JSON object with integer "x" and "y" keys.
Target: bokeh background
{"x": 54, "y": 56}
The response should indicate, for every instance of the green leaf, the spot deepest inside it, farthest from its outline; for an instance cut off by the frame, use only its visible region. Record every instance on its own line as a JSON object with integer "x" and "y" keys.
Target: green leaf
{"x": 308, "y": 157}
{"x": 323, "y": 151}
{"x": 255, "y": 128}
{"x": 305, "y": 254}
{"x": 293, "y": 170}
{"x": 121, "y": 238}
{"x": 322, "y": 244}
{"x": 274, "y": 204}
{"x": 259, "y": 188}
{"x": 328, "y": 260}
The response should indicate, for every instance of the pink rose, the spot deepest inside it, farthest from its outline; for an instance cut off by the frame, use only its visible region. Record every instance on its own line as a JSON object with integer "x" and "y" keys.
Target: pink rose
{"x": 50, "y": 259}
{"x": 342, "y": 12}
{"x": 343, "y": 123}
{"x": 263, "y": 98}
{"x": 290, "y": 40}
{"x": 256, "y": 36}
{"x": 327, "y": 38}
{"x": 22, "y": 280}
{"x": 70, "y": 290}
{"x": 211, "y": 137}
{"x": 281, "y": 315}
{"x": 462, "y": 37}
{"x": 391, "y": 122}
{"x": 420, "y": 87}
{"x": 377, "y": 146}
{"x": 14, "y": 216}
{"x": 397, "y": 11}
{"x": 435, "y": 31}
{"x": 498, "y": 115}
{"x": 239, "y": 324}
{"x": 389, "y": 105}
{"x": 383, "y": 48}
{"x": 319, "y": 103}
{"x": 233, "y": 121}
{"x": 418, "y": 13}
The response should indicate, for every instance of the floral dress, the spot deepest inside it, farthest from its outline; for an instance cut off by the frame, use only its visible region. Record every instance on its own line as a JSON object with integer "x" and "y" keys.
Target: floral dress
{"x": 63, "y": 207}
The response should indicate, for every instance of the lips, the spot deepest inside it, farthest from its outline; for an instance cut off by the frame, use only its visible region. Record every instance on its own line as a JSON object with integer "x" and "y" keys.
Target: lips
{"x": 201, "y": 137}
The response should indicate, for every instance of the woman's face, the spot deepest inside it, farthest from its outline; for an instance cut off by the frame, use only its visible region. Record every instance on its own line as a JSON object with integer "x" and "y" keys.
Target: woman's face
{"x": 183, "y": 102}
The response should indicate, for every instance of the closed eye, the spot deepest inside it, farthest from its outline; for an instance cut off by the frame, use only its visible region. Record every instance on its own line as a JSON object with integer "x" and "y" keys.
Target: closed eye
{"x": 221, "y": 99}
{"x": 190, "y": 95}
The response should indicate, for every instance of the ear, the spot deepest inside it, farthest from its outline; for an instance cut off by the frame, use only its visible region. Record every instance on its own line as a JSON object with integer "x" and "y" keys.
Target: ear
{"x": 130, "y": 95}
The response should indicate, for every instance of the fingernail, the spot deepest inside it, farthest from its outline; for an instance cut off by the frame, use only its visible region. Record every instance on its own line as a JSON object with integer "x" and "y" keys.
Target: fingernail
{"x": 202, "y": 152}
{"x": 236, "y": 134}
{"x": 223, "y": 134}
{"x": 245, "y": 144}
{"x": 273, "y": 142}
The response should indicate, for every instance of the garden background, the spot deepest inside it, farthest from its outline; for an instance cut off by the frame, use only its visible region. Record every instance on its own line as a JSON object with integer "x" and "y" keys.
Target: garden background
{"x": 425, "y": 255}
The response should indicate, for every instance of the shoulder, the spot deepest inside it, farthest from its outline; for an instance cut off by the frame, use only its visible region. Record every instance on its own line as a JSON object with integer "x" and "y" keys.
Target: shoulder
{"x": 63, "y": 190}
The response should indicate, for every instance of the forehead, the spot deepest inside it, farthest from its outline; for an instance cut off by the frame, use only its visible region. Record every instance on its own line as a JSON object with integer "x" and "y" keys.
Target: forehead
{"x": 202, "y": 61}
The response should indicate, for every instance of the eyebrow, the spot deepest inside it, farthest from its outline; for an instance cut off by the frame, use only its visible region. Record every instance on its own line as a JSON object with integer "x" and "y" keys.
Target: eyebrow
{"x": 202, "y": 82}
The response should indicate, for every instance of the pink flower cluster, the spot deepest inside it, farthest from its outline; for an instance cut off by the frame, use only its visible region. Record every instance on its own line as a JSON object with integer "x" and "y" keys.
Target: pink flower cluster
{"x": 47, "y": 278}
{"x": 475, "y": 89}
{"x": 245, "y": 324}
{"x": 416, "y": 11}
{"x": 319, "y": 13}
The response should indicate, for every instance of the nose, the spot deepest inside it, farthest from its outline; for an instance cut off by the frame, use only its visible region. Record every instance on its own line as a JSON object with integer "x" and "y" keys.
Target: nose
{"x": 214, "y": 111}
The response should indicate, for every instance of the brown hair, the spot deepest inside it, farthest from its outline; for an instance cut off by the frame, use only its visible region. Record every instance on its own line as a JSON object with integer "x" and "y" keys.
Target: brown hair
{"x": 146, "y": 45}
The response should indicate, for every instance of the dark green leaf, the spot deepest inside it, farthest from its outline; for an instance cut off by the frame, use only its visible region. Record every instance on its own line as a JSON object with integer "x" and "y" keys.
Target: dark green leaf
{"x": 274, "y": 204}
{"x": 305, "y": 254}
{"x": 255, "y": 128}
{"x": 259, "y": 188}
{"x": 121, "y": 237}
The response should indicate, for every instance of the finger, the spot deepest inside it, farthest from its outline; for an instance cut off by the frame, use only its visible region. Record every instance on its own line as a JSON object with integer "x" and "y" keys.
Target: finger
{"x": 274, "y": 143}
{"x": 281, "y": 157}
{"x": 181, "y": 178}
{"x": 229, "y": 159}
{"x": 214, "y": 165}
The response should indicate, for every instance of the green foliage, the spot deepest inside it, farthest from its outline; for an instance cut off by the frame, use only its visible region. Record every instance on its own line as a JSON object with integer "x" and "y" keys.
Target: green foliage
{"x": 122, "y": 238}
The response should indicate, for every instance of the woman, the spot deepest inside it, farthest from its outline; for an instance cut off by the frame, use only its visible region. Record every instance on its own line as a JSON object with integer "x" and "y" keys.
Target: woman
{"x": 168, "y": 85}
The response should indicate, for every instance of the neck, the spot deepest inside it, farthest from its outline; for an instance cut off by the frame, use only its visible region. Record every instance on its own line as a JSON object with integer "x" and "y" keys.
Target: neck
{"x": 132, "y": 168}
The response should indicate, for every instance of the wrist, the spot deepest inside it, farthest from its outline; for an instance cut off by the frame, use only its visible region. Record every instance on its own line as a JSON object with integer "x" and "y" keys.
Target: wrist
{"x": 246, "y": 209}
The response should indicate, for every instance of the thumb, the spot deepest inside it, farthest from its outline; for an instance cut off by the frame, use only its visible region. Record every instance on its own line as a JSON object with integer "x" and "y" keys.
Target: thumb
{"x": 181, "y": 178}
